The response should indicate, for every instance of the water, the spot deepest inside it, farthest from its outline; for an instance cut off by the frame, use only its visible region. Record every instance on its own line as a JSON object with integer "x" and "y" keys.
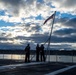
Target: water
{"x": 52, "y": 58}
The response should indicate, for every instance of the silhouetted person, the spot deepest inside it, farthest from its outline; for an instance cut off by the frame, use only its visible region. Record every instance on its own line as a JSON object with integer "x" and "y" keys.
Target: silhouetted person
{"x": 37, "y": 52}
{"x": 42, "y": 53}
{"x": 27, "y": 53}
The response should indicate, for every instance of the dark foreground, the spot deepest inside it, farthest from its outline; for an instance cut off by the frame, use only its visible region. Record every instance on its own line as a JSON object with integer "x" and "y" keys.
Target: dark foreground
{"x": 34, "y": 69}
{"x": 69, "y": 72}
{"x": 9, "y": 62}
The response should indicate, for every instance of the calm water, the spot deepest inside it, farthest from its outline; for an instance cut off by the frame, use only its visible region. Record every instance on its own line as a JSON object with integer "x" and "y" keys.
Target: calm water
{"x": 59, "y": 58}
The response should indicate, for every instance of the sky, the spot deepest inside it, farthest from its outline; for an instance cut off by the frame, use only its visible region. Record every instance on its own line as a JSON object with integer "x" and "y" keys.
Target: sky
{"x": 21, "y": 22}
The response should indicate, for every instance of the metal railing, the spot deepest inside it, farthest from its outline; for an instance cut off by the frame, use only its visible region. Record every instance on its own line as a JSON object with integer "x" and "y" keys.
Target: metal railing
{"x": 55, "y": 56}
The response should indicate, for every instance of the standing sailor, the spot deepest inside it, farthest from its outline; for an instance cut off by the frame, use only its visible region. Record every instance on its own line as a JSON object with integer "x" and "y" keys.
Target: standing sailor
{"x": 27, "y": 53}
{"x": 37, "y": 52}
{"x": 42, "y": 53}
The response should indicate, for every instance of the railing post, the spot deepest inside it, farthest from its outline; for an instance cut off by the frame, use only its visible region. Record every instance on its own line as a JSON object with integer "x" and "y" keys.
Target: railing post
{"x": 11, "y": 56}
{"x": 3, "y": 56}
{"x": 72, "y": 56}
{"x": 56, "y": 56}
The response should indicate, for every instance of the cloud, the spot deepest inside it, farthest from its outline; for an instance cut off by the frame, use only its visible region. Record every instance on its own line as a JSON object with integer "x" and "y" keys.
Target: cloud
{"x": 24, "y": 8}
{"x": 18, "y": 32}
{"x": 69, "y": 39}
{"x": 65, "y": 32}
{"x": 10, "y": 46}
{"x": 14, "y": 7}
{"x": 19, "y": 9}
{"x": 61, "y": 46}
{"x": 11, "y": 6}
{"x": 24, "y": 14}
{"x": 21, "y": 34}
{"x": 65, "y": 6}
{"x": 71, "y": 23}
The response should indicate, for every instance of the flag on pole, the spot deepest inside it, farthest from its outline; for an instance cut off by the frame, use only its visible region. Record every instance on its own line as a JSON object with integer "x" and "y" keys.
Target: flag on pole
{"x": 51, "y": 17}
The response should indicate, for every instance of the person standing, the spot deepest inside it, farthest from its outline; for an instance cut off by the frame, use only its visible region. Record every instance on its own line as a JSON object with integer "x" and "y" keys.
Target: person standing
{"x": 42, "y": 53}
{"x": 27, "y": 53}
{"x": 37, "y": 52}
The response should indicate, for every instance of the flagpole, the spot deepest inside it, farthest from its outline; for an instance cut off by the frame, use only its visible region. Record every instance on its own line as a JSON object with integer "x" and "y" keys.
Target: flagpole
{"x": 50, "y": 36}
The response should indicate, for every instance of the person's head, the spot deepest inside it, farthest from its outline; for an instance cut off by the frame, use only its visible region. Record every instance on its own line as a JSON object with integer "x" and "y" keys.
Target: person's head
{"x": 42, "y": 45}
{"x": 37, "y": 44}
{"x": 28, "y": 44}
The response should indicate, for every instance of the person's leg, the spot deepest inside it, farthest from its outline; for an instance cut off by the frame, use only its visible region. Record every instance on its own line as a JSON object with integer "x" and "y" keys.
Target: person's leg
{"x": 26, "y": 57}
{"x": 41, "y": 56}
{"x": 38, "y": 57}
{"x": 44, "y": 57}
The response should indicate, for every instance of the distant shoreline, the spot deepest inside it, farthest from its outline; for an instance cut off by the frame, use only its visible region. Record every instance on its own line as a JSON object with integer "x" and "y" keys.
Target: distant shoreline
{"x": 51, "y": 52}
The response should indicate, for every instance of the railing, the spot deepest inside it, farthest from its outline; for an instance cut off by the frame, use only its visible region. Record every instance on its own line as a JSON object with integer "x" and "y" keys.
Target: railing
{"x": 55, "y": 56}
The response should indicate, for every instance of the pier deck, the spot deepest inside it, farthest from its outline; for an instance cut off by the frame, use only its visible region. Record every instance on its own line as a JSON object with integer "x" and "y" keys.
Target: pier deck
{"x": 33, "y": 68}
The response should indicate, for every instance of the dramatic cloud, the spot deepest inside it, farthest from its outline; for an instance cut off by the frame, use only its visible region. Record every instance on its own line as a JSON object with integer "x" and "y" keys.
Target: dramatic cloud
{"x": 27, "y": 17}
{"x": 27, "y": 9}
{"x": 65, "y": 32}
{"x": 71, "y": 23}
{"x": 13, "y": 7}
{"x": 67, "y": 6}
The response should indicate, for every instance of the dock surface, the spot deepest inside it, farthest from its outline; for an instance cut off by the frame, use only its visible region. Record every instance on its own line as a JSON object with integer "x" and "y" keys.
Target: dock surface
{"x": 34, "y": 68}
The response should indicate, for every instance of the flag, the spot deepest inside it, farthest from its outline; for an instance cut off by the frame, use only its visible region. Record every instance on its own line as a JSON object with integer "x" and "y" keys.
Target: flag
{"x": 51, "y": 17}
